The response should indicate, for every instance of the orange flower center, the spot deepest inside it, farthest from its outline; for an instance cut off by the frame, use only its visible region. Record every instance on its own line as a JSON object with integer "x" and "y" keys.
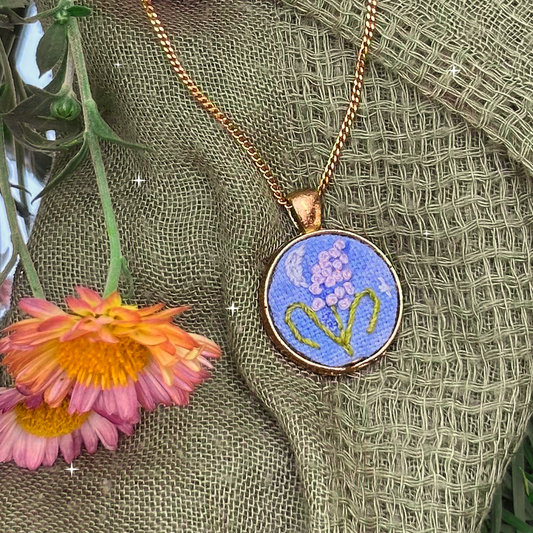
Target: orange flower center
{"x": 46, "y": 421}
{"x": 102, "y": 363}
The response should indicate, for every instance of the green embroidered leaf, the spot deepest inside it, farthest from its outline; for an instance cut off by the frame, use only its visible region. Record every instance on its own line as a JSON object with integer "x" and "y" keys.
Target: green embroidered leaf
{"x": 51, "y": 47}
{"x": 72, "y": 165}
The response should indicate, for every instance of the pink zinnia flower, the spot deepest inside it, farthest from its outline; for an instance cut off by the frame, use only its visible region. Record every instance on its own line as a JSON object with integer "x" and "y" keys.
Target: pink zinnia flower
{"x": 105, "y": 355}
{"x": 32, "y": 432}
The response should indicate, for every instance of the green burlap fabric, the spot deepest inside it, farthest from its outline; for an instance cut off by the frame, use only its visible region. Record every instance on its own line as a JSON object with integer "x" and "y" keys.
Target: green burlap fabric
{"x": 437, "y": 173}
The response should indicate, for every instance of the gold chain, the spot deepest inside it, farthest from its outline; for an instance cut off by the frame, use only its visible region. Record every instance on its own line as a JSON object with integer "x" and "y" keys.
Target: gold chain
{"x": 240, "y": 136}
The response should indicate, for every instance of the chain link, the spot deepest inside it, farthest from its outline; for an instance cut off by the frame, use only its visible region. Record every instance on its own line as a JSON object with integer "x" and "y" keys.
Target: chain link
{"x": 239, "y": 135}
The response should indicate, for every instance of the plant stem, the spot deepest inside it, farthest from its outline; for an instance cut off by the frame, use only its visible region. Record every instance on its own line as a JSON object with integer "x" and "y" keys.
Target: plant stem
{"x": 19, "y": 246}
{"x": 45, "y": 14}
{"x": 89, "y": 108}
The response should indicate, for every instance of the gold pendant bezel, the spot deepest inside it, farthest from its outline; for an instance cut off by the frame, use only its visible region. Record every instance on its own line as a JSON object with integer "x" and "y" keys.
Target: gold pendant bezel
{"x": 293, "y": 354}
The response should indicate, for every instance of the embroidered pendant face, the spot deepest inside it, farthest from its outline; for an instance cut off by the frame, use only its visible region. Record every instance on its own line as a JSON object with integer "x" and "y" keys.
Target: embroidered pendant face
{"x": 331, "y": 301}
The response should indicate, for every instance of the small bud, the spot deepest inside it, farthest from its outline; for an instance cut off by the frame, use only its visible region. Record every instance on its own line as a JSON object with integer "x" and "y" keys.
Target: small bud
{"x": 65, "y": 107}
{"x": 61, "y": 17}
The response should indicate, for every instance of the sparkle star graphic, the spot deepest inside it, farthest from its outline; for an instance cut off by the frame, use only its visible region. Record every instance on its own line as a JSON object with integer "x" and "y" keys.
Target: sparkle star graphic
{"x": 232, "y": 308}
{"x": 71, "y": 469}
{"x": 453, "y": 71}
{"x": 138, "y": 180}
{"x": 385, "y": 288}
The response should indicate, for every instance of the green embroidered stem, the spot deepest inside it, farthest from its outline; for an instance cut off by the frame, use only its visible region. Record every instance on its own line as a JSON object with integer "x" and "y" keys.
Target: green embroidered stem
{"x": 312, "y": 315}
{"x": 345, "y": 337}
{"x": 338, "y": 319}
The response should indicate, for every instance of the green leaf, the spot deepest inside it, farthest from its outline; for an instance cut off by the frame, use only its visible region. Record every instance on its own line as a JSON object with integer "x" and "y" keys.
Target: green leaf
{"x": 6, "y": 99}
{"x": 72, "y": 165}
{"x": 14, "y": 3}
{"x": 5, "y": 22}
{"x": 528, "y": 484}
{"x": 51, "y": 47}
{"x": 35, "y": 142}
{"x": 127, "y": 274}
{"x": 12, "y": 16}
{"x": 520, "y": 525}
{"x": 22, "y": 211}
{"x": 19, "y": 187}
{"x": 106, "y": 133}
{"x": 42, "y": 124}
{"x": 38, "y": 104}
{"x": 57, "y": 82}
{"x": 35, "y": 112}
{"x": 40, "y": 165}
{"x": 79, "y": 11}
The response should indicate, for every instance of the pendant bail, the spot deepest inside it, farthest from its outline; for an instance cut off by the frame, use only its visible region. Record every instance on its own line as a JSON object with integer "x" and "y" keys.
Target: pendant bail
{"x": 306, "y": 209}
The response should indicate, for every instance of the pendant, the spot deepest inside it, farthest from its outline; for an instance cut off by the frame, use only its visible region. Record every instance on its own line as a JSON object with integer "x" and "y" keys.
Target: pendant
{"x": 329, "y": 299}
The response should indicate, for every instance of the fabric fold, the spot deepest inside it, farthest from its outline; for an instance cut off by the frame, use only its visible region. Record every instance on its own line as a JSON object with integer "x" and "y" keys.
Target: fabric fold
{"x": 421, "y": 42}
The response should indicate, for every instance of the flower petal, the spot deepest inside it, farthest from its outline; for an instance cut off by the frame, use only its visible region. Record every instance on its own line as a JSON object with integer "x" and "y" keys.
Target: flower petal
{"x": 167, "y": 313}
{"x": 39, "y": 308}
{"x": 54, "y": 323}
{"x": 90, "y": 296}
{"x": 90, "y": 438}
{"x": 17, "y": 325}
{"x": 162, "y": 356}
{"x": 106, "y": 431}
{"x": 80, "y": 307}
{"x": 144, "y": 396}
{"x": 35, "y": 451}
{"x": 9, "y": 435}
{"x": 122, "y": 315}
{"x": 106, "y": 336}
{"x": 19, "y": 448}
{"x": 113, "y": 300}
{"x": 126, "y": 400}
{"x": 8, "y": 399}
{"x": 66, "y": 445}
{"x": 82, "y": 398}
{"x": 147, "y": 336}
{"x": 72, "y": 334}
{"x": 145, "y": 311}
{"x": 52, "y": 449}
{"x": 55, "y": 394}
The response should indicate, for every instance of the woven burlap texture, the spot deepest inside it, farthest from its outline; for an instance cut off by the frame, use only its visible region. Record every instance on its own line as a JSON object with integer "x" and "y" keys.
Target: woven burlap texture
{"x": 436, "y": 173}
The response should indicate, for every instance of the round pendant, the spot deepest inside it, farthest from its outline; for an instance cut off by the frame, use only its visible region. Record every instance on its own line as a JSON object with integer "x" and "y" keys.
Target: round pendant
{"x": 331, "y": 301}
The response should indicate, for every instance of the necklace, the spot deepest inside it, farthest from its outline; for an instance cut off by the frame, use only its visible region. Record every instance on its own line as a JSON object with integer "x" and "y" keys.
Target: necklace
{"x": 335, "y": 271}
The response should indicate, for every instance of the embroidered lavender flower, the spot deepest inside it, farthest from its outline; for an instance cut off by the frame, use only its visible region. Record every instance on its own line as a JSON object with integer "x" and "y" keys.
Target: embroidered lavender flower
{"x": 331, "y": 270}
{"x": 332, "y": 289}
